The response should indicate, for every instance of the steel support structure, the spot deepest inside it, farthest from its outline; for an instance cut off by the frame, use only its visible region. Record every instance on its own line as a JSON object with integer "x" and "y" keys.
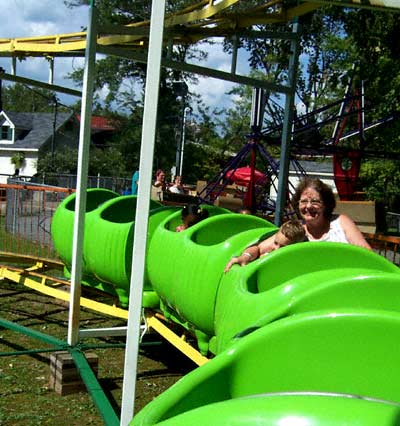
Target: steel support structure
{"x": 287, "y": 127}
{"x": 142, "y": 210}
{"x": 81, "y": 185}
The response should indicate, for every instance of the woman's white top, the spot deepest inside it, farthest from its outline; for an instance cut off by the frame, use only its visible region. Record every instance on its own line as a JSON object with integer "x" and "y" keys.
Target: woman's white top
{"x": 335, "y": 234}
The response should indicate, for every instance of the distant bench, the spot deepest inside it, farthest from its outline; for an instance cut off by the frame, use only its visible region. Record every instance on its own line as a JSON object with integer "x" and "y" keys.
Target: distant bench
{"x": 385, "y": 245}
{"x": 362, "y": 212}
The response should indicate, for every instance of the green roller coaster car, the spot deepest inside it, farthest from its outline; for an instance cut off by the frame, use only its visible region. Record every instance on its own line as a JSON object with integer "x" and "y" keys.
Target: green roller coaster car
{"x": 310, "y": 331}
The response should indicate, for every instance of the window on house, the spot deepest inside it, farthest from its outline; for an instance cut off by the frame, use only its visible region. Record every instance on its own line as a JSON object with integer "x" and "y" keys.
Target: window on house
{"x": 6, "y": 133}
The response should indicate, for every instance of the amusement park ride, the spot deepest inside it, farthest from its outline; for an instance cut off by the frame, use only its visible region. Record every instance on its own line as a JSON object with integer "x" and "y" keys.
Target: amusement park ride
{"x": 306, "y": 141}
{"x": 306, "y": 335}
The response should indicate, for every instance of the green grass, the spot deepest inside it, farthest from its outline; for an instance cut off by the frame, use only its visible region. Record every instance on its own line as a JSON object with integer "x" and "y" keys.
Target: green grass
{"x": 14, "y": 243}
{"x": 25, "y": 395}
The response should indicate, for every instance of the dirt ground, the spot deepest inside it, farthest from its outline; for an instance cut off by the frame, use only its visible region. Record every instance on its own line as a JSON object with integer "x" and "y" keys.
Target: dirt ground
{"x": 25, "y": 395}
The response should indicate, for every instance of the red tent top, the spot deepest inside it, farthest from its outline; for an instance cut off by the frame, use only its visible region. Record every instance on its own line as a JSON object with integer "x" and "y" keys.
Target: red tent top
{"x": 242, "y": 176}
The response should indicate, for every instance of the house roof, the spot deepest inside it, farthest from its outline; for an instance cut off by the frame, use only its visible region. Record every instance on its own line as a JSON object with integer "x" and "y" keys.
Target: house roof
{"x": 100, "y": 123}
{"x": 38, "y": 128}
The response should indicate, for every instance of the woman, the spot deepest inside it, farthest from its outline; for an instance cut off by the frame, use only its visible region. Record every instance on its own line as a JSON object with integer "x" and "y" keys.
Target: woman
{"x": 314, "y": 203}
{"x": 160, "y": 180}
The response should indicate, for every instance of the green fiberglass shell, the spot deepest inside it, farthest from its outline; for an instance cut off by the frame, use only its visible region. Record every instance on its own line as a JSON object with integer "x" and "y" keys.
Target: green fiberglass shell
{"x": 292, "y": 409}
{"x": 300, "y": 278}
{"x": 185, "y": 268}
{"x": 350, "y": 352}
{"x": 62, "y": 225}
{"x": 109, "y": 240}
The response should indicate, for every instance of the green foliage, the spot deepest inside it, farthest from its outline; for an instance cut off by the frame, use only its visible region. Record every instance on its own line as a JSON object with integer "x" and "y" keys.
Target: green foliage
{"x": 62, "y": 161}
{"x": 124, "y": 82}
{"x": 107, "y": 162}
{"x": 18, "y": 159}
{"x": 196, "y": 164}
{"x": 21, "y": 98}
{"x": 381, "y": 182}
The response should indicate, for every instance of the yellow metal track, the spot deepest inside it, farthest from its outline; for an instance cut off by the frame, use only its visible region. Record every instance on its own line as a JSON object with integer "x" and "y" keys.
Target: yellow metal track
{"x": 202, "y": 20}
{"x": 178, "y": 341}
{"x": 54, "y": 287}
{"x": 35, "y": 278}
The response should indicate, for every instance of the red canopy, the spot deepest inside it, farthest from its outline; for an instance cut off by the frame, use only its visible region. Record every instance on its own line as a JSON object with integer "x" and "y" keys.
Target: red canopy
{"x": 242, "y": 176}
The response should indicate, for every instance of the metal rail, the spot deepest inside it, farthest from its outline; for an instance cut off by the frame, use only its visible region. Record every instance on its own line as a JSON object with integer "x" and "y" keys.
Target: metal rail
{"x": 36, "y": 277}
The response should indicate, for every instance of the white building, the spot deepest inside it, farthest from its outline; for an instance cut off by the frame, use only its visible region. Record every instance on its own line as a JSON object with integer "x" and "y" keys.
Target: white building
{"x": 28, "y": 134}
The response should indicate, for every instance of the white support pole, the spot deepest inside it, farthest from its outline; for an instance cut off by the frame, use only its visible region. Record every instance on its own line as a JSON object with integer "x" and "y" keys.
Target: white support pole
{"x": 14, "y": 66}
{"x": 142, "y": 209}
{"x": 81, "y": 185}
{"x": 185, "y": 112}
{"x": 51, "y": 70}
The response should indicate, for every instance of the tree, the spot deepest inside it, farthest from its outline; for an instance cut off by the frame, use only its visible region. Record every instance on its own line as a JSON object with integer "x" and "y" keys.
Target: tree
{"x": 62, "y": 161}
{"x": 21, "y": 98}
{"x": 18, "y": 160}
{"x": 125, "y": 79}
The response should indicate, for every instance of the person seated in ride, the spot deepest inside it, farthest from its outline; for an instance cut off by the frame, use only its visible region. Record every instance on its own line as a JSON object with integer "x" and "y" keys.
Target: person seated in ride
{"x": 244, "y": 210}
{"x": 314, "y": 203}
{"x": 177, "y": 187}
{"x": 191, "y": 214}
{"x": 160, "y": 180}
{"x": 290, "y": 232}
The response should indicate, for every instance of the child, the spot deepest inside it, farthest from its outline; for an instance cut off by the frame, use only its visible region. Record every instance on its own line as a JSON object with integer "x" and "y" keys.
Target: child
{"x": 191, "y": 214}
{"x": 177, "y": 187}
{"x": 289, "y": 233}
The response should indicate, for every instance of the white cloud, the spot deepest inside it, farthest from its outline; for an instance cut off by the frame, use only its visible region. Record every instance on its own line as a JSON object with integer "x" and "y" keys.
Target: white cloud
{"x": 212, "y": 90}
{"x": 29, "y": 18}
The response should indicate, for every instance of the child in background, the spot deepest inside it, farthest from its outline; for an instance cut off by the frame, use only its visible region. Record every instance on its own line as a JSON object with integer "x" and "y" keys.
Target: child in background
{"x": 177, "y": 187}
{"x": 289, "y": 233}
{"x": 191, "y": 214}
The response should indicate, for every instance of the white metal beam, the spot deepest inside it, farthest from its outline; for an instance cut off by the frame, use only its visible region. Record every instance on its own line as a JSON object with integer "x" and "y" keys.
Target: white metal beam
{"x": 142, "y": 209}
{"x": 82, "y": 177}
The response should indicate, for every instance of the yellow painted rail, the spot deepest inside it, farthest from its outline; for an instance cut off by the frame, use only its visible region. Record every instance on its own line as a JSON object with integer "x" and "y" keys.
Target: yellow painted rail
{"x": 202, "y": 20}
{"x": 36, "y": 278}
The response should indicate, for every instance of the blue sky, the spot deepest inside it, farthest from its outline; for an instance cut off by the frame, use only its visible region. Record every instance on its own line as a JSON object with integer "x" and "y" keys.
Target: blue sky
{"x": 27, "y": 18}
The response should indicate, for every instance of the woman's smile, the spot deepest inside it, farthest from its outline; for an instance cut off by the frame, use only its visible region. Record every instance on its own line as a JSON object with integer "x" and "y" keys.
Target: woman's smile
{"x": 310, "y": 204}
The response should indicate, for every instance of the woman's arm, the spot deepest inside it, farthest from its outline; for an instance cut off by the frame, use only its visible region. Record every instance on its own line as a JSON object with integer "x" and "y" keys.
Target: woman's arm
{"x": 353, "y": 234}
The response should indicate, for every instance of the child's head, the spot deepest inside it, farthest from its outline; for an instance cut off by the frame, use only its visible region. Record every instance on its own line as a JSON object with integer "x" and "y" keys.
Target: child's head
{"x": 244, "y": 210}
{"x": 289, "y": 233}
{"x": 192, "y": 214}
